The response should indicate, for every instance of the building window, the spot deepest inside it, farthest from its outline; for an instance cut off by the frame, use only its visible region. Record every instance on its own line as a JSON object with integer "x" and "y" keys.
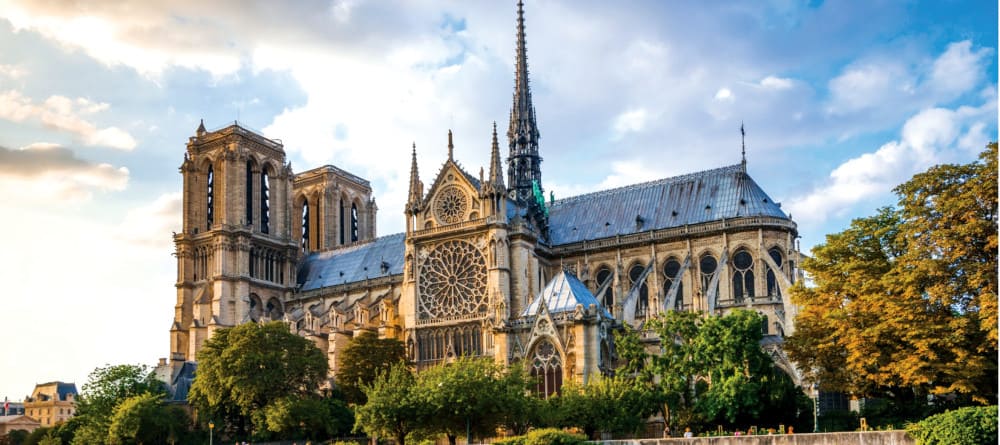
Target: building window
{"x": 742, "y": 276}
{"x": 248, "y": 202}
{"x": 341, "y": 221}
{"x": 773, "y": 290}
{"x": 546, "y": 368}
{"x": 210, "y": 198}
{"x": 708, "y": 266}
{"x": 671, "y": 272}
{"x": 265, "y": 203}
{"x": 354, "y": 223}
{"x": 633, "y": 275}
{"x": 603, "y": 275}
{"x": 305, "y": 224}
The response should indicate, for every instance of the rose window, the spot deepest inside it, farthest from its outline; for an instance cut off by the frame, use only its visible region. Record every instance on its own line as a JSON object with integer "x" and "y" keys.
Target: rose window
{"x": 453, "y": 281}
{"x": 451, "y": 205}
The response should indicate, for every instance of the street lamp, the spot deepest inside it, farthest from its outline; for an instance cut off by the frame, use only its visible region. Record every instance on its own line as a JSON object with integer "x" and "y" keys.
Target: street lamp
{"x": 211, "y": 426}
{"x": 815, "y": 394}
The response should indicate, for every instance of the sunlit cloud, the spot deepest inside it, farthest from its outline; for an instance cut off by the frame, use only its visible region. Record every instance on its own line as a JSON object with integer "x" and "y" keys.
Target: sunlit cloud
{"x": 64, "y": 114}
{"x": 48, "y": 172}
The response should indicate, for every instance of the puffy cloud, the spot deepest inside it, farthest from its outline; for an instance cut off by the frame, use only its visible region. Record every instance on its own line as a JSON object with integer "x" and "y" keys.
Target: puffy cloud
{"x": 932, "y": 136}
{"x": 13, "y": 72}
{"x": 51, "y": 172}
{"x": 151, "y": 224}
{"x": 958, "y": 69}
{"x": 630, "y": 121}
{"x": 64, "y": 114}
{"x": 776, "y": 83}
{"x": 724, "y": 94}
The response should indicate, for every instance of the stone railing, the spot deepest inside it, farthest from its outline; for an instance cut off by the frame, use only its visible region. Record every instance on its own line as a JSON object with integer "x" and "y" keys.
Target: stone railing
{"x": 897, "y": 437}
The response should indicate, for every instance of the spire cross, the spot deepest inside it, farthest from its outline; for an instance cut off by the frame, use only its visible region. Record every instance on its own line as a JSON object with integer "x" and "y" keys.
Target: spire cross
{"x": 744, "y": 143}
{"x": 451, "y": 148}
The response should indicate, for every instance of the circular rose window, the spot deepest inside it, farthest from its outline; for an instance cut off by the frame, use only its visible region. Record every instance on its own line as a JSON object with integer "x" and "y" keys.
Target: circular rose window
{"x": 451, "y": 205}
{"x": 453, "y": 281}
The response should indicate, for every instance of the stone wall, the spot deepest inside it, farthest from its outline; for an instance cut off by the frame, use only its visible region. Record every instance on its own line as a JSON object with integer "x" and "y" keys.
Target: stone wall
{"x": 844, "y": 438}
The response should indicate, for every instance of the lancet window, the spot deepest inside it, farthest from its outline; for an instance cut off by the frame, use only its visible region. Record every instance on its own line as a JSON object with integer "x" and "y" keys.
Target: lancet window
{"x": 772, "y": 281}
{"x": 210, "y": 198}
{"x": 671, "y": 277}
{"x": 248, "y": 202}
{"x": 546, "y": 368}
{"x": 634, "y": 273}
{"x": 708, "y": 266}
{"x": 305, "y": 224}
{"x": 436, "y": 344}
{"x": 743, "y": 287}
{"x": 265, "y": 203}
{"x": 603, "y": 275}
{"x": 354, "y": 223}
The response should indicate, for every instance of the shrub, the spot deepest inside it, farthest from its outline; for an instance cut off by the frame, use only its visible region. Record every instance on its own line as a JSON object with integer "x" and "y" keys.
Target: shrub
{"x": 964, "y": 426}
{"x": 545, "y": 436}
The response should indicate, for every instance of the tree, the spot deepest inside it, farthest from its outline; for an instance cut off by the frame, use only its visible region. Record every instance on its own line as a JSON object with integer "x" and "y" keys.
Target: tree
{"x": 616, "y": 404}
{"x": 393, "y": 408}
{"x": 309, "y": 418}
{"x": 362, "y": 360}
{"x": 106, "y": 388}
{"x": 468, "y": 395}
{"x": 145, "y": 419}
{"x": 713, "y": 370}
{"x": 244, "y": 369}
{"x": 904, "y": 302}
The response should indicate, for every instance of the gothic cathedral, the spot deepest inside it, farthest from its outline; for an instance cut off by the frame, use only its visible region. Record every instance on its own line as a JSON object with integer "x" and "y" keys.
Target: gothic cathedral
{"x": 487, "y": 265}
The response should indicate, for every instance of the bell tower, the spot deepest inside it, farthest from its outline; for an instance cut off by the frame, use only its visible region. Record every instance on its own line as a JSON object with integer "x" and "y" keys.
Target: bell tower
{"x": 235, "y": 255}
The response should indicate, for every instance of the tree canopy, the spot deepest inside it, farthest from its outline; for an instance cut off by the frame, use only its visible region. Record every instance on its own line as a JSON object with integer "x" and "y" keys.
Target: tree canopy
{"x": 393, "y": 408}
{"x": 904, "y": 302}
{"x": 106, "y": 388}
{"x": 244, "y": 369}
{"x": 362, "y": 360}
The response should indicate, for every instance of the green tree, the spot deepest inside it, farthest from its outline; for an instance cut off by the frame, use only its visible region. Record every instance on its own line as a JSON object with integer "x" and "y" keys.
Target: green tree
{"x": 309, "y": 418}
{"x": 616, "y": 404}
{"x": 146, "y": 419}
{"x": 362, "y": 360}
{"x": 15, "y": 437}
{"x": 713, "y": 370}
{"x": 393, "y": 408}
{"x": 244, "y": 369}
{"x": 903, "y": 303}
{"x": 106, "y": 388}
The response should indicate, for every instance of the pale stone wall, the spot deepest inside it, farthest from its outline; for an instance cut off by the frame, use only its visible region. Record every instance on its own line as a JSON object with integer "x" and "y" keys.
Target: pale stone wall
{"x": 897, "y": 437}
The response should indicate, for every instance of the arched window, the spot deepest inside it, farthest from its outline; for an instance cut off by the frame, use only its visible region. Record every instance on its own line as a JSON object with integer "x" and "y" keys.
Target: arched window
{"x": 603, "y": 275}
{"x": 210, "y": 198}
{"x": 342, "y": 237}
{"x": 265, "y": 203}
{"x": 354, "y": 223}
{"x": 742, "y": 276}
{"x": 249, "y": 197}
{"x": 305, "y": 224}
{"x": 708, "y": 266}
{"x": 671, "y": 272}
{"x": 633, "y": 275}
{"x": 546, "y": 368}
{"x": 772, "y": 281}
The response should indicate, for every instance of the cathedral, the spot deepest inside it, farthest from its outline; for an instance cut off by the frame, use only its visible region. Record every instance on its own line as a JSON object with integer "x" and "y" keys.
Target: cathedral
{"x": 487, "y": 265}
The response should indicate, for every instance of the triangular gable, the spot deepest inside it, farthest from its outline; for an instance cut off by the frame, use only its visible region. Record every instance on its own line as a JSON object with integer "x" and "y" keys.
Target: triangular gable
{"x": 458, "y": 173}
{"x": 543, "y": 328}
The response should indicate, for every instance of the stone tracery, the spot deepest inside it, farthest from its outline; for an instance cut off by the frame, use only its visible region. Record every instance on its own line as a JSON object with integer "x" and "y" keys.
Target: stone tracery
{"x": 453, "y": 281}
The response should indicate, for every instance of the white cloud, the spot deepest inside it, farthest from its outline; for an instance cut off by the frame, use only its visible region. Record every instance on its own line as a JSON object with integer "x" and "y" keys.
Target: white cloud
{"x": 64, "y": 114}
{"x": 48, "y": 172}
{"x": 776, "y": 83}
{"x": 932, "y": 136}
{"x": 151, "y": 225}
{"x": 13, "y": 72}
{"x": 628, "y": 172}
{"x": 957, "y": 70}
{"x": 724, "y": 94}
{"x": 868, "y": 85}
{"x": 631, "y": 121}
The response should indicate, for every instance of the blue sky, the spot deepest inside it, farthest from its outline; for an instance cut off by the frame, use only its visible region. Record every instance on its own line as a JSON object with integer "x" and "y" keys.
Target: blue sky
{"x": 841, "y": 101}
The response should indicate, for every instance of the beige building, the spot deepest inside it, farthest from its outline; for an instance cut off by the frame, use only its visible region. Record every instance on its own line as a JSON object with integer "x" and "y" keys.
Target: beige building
{"x": 17, "y": 422}
{"x": 487, "y": 266}
{"x": 51, "y": 403}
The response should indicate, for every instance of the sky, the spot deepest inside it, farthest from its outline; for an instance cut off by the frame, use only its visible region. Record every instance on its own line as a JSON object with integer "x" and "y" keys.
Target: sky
{"x": 841, "y": 102}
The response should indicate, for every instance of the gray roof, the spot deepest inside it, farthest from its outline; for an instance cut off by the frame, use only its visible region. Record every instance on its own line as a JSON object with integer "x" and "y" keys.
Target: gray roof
{"x": 562, "y": 294}
{"x": 353, "y": 263}
{"x": 710, "y": 195}
{"x": 181, "y": 383}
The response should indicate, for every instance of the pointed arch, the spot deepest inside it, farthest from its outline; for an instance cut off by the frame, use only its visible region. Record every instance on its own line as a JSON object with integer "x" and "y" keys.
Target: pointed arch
{"x": 266, "y": 174}
{"x": 743, "y": 275}
{"x": 545, "y": 365}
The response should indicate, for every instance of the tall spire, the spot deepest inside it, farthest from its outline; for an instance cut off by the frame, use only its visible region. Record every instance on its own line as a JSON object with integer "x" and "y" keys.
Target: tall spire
{"x": 523, "y": 164}
{"x": 496, "y": 170}
{"x": 743, "y": 153}
{"x": 451, "y": 148}
{"x": 414, "y": 200}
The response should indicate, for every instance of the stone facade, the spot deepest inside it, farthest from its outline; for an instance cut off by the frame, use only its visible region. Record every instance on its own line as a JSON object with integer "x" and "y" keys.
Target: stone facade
{"x": 51, "y": 403}
{"x": 484, "y": 268}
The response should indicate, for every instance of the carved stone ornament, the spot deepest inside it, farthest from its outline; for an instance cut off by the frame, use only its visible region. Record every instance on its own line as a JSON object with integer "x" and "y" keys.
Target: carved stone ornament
{"x": 451, "y": 205}
{"x": 453, "y": 281}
